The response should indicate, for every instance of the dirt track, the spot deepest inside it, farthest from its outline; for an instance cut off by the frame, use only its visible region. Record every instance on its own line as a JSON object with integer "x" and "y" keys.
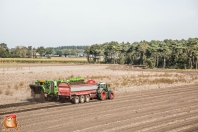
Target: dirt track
{"x": 155, "y": 110}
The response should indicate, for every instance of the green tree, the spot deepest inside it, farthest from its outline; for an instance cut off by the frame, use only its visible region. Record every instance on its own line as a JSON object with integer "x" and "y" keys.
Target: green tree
{"x": 59, "y": 52}
{"x": 165, "y": 52}
{"x": 20, "y": 51}
{"x": 3, "y": 45}
{"x": 41, "y": 50}
{"x": 73, "y": 52}
{"x": 3, "y": 53}
{"x": 142, "y": 49}
{"x": 153, "y": 53}
{"x": 49, "y": 51}
{"x": 67, "y": 52}
{"x": 34, "y": 52}
{"x": 96, "y": 51}
{"x": 29, "y": 52}
{"x": 111, "y": 51}
{"x": 87, "y": 51}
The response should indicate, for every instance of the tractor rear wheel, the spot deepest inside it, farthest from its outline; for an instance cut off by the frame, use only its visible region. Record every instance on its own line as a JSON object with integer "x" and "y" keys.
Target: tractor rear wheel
{"x": 102, "y": 95}
{"x": 75, "y": 100}
{"x": 81, "y": 98}
{"x": 111, "y": 95}
{"x": 87, "y": 98}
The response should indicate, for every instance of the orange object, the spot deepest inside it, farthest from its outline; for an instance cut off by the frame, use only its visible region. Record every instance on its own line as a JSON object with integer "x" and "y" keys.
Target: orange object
{"x": 10, "y": 122}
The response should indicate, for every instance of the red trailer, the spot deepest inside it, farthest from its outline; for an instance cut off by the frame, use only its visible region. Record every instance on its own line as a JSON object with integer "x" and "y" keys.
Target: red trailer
{"x": 81, "y": 93}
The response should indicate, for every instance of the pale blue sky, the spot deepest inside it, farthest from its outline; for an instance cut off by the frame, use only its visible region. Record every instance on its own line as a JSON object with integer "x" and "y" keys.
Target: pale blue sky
{"x": 52, "y": 23}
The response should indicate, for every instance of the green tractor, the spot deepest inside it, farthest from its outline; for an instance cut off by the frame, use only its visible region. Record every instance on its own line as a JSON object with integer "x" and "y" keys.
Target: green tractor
{"x": 104, "y": 92}
{"x": 43, "y": 90}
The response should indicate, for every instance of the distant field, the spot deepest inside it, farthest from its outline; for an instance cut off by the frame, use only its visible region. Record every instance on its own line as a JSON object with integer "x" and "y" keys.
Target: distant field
{"x": 43, "y": 60}
{"x": 53, "y": 58}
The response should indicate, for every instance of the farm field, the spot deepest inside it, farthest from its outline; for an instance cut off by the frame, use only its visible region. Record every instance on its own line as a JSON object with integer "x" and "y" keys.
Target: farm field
{"x": 155, "y": 110}
{"x": 4, "y": 61}
{"x": 146, "y": 100}
{"x": 52, "y": 58}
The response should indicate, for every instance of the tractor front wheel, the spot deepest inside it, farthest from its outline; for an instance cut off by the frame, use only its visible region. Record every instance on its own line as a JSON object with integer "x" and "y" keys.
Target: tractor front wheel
{"x": 111, "y": 95}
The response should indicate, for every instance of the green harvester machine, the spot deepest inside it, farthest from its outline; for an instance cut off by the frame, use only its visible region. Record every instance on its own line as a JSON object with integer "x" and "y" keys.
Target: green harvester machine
{"x": 42, "y": 90}
{"x": 78, "y": 80}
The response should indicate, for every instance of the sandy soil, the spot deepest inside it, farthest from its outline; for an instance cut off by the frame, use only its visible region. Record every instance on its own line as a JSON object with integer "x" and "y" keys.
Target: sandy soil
{"x": 153, "y": 110}
{"x": 16, "y": 78}
{"x": 168, "y": 105}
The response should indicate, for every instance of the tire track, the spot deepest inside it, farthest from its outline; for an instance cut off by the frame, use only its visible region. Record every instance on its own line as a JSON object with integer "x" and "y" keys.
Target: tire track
{"x": 134, "y": 123}
{"x": 137, "y": 126}
{"x": 102, "y": 111}
{"x": 147, "y": 92}
{"x": 88, "y": 111}
{"x": 121, "y": 103}
{"x": 188, "y": 128}
{"x": 61, "y": 117}
{"x": 172, "y": 125}
{"x": 48, "y": 105}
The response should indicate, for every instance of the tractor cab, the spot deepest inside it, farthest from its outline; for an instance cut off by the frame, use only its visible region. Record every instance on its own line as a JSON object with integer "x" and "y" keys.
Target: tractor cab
{"x": 103, "y": 86}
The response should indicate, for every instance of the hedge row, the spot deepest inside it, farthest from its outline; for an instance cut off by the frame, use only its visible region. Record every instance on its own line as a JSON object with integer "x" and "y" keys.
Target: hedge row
{"x": 43, "y": 61}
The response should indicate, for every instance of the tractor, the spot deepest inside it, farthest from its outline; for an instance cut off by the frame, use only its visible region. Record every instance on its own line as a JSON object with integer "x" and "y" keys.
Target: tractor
{"x": 104, "y": 92}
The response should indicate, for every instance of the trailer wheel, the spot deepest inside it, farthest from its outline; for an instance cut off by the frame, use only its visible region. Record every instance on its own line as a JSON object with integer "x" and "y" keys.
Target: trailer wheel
{"x": 75, "y": 100}
{"x": 102, "y": 95}
{"x": 111, "y": 95}
{"x": 82, "y": 98}
{"x": 87, "y": 98}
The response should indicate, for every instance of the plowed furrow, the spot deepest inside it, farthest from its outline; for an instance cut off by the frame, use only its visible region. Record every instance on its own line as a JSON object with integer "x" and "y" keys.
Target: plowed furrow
{"x": 113, "y": 111}
{"x": 56, "y": 104}
{"x": 128, "y": 126}
{"x": 120, "y": 123}
{"x": 168, "y": 109}
{"x": 131, "y": 104}
{"x": 29, "y": 108}
{"x": 135, "y": 94}
{"x": 188, "y": 128}
{"x": 148, "y": 93}
{"x": 171, "y": 125}
{"x": 108, "y": 115}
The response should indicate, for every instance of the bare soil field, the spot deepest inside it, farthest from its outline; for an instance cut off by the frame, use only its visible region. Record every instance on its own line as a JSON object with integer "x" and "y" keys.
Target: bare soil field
{"x": 15, "y": 78}
{"x": 154, "y": 110}
{"x": 146, "y": 100}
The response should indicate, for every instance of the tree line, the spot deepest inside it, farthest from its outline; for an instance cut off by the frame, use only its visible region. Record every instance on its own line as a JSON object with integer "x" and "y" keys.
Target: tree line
{"x": 182, "y": 54}
{"x": 30, "y": 52}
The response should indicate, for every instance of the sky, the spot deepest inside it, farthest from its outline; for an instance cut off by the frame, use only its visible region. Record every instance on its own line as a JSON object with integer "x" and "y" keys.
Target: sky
{"x": 53, "y": 23}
